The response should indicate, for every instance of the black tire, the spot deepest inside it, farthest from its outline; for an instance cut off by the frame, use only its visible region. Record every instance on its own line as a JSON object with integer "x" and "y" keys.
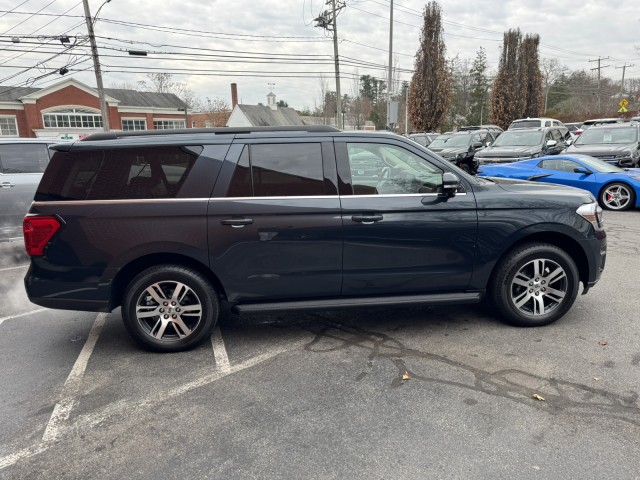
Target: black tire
{"x": 528, "y": 290}
{"x": 617, "y": 196}
{"x": 169, "y": 308}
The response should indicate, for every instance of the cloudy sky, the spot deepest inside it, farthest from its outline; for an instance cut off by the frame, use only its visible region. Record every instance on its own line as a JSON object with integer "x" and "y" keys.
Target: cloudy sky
{"x": 273, "y": 44}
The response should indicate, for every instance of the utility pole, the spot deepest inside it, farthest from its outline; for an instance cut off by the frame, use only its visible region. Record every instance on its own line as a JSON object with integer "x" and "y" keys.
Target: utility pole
{"x": 390, "y": 66}
{"x": 599, "y": 68}
{"x": 623, "y": 67}
{"x": 328, "y": 21}
{"x": 96, "y": 66}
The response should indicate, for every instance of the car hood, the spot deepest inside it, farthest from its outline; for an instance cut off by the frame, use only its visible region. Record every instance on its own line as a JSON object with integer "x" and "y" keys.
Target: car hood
{"x": 595, "y": 150}
{"x": 508, "y": 151}
{"x": 541, "y": 189}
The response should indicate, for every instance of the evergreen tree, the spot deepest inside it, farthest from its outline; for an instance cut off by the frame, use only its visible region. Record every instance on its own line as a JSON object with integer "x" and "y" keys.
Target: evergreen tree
{"x": 430, "y": 89}
{"x": 479, "y": 89}
{"x": 530, "y": 62}
{"x": 508, "y": 96}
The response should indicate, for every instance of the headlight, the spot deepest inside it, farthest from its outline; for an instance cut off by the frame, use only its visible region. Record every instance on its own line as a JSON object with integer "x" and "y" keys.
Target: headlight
{"x": 592, "y": 213}
{"x": 460, "y": 156}
{"x": 624, "y": 155}
{"x": 536, "y": 155}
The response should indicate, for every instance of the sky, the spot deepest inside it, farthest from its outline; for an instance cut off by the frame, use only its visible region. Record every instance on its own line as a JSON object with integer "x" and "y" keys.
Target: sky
{"x": 273, "y": 45}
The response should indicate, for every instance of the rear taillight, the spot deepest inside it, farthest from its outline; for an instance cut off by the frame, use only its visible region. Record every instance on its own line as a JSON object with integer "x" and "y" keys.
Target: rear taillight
{"x": 37, "y": 233}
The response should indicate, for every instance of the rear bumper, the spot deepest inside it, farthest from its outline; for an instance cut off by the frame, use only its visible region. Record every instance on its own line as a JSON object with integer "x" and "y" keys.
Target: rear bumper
{"x": 65, "y": 291}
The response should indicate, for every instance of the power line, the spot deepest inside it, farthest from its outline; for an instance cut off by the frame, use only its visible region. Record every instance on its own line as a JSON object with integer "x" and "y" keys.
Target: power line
{"x": 30, "y": 16}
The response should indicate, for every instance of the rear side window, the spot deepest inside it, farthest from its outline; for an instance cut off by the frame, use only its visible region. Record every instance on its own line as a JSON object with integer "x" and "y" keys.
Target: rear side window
{"x": 280, "y": 170}
{"x": 23, "y": 158}
{"x": 128, "y": 173}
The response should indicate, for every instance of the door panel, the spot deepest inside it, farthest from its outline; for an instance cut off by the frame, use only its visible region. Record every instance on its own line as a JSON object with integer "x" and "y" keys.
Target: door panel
{"x": 398, "y": 241}
{"x": 277, "y": 232}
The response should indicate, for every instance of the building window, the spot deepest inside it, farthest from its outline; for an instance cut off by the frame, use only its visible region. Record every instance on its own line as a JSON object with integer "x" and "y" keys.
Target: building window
{"x": 8, "y": 127}
{"x": 131, "y": 124}
{"x": 208, "y": 124}
{"x": 72, "y": 118}
{"x": 168, "y": 124}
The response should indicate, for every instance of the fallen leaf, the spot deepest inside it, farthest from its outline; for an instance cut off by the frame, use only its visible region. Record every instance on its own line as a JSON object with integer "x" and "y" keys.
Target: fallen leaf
{"x": 602, "y": 343}
{"x": 405, "y": 376}
{"x": 597, "y": 378}
{"x": 538, "y": 397}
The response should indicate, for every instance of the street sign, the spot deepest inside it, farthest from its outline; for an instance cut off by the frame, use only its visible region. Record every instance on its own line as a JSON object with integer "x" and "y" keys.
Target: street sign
{"x": 623, "y": 110}
{"x": 623, "y": 103}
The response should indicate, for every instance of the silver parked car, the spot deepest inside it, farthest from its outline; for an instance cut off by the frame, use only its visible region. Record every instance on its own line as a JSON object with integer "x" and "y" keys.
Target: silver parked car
{"x": 22, "y": 162}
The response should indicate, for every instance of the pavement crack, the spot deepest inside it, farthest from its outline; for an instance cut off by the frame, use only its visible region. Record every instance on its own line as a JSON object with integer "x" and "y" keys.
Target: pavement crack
{"x": 511, "y": 384}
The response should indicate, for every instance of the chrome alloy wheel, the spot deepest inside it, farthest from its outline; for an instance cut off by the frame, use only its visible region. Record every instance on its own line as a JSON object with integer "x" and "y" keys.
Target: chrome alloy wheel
{"x": 539, "y": 287}
{"x": 168, "y": 310}
{"x": 616, "y": 197}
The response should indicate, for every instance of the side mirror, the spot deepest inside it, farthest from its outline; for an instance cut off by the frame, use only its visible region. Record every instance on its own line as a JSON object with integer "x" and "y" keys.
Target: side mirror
{"x": 582, "y": 170}
{"x": 488, "y": 144}
{"x": 551, "y": 143}
{"x": 450, "y": 184}
{"x": 569, "y": 142}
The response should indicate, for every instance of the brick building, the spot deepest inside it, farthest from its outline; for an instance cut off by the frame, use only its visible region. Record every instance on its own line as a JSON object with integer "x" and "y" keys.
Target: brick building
{"x": 70, "y": 110}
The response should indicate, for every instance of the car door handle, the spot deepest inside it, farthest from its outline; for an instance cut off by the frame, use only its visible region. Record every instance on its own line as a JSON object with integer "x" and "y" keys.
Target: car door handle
{"x": 7, "y": 185}
{"x": 237, "y": 222}
{"x": 366, "y": 219}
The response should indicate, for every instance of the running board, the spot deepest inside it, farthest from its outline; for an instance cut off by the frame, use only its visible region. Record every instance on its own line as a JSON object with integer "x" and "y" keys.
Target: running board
{"x": 360, "y": 302}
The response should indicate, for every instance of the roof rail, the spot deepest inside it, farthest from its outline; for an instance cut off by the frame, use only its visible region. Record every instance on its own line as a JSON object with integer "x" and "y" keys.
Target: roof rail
{"x": 212, "y": 131}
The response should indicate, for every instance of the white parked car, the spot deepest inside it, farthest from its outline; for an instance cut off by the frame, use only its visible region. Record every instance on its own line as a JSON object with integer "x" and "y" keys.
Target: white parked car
{"x": 22, "y": 161}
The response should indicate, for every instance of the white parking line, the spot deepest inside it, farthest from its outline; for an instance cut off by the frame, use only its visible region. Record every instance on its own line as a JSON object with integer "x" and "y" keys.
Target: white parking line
{"x": 13, "y": 268}
{"x": 21, "y": 314}
{"x": 220, "y": 351}
{"x": 71, "y": 387}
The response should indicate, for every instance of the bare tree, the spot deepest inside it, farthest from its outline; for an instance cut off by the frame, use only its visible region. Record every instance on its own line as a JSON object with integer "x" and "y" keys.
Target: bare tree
{"x": 552, "y": 70}
{"x": 163, "y": 83}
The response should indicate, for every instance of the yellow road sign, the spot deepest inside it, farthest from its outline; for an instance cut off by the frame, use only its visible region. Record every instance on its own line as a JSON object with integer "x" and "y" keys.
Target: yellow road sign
{"x": 623, "y": 110}
{"x": 623, "y": 103}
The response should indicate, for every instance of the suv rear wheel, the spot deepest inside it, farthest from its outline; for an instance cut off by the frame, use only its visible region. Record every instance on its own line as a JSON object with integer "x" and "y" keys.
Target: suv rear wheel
{"x": 170, "y": 308}
{"x": 534, "y": 285}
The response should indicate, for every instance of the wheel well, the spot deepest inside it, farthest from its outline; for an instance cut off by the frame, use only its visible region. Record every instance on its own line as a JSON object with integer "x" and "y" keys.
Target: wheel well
{"x": 568, "y": 244}
{"x": 129, "y": 271}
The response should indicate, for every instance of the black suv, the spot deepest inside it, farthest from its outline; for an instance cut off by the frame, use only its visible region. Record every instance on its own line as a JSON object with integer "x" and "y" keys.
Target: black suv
{"x": 524, "y": 143}
{"x": 617, "y": 144}
{"x": 461, "y": 147}
{"x": 168, "y": 224}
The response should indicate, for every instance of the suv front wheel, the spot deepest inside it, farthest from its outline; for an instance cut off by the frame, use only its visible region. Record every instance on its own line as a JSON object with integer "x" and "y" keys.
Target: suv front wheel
{"x": 169, "y": 308}
{"x": 534, "y": 285}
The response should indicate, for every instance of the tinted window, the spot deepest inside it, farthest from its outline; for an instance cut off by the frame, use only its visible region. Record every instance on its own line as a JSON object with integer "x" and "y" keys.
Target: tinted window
{"x": 280, "y": 170}
{"x": 23, "y": 158}
{"x": 116, "y": 174}
{"x": 560, "y": 165}
{"x": 393, "y": 170}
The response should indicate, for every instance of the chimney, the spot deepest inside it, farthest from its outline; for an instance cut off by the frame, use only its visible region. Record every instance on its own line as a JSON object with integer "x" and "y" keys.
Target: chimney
{"x": 234, "y": 95}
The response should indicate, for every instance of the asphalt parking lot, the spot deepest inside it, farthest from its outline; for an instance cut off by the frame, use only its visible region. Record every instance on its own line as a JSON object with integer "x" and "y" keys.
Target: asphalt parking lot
{"x": 374, "y": 394}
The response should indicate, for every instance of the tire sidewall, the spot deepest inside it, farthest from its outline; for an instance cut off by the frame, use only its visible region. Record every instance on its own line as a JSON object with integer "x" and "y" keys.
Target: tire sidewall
{"x": 195, "y": 281}
{"x": 632, "y": 197}
{"x": 512, "y": 313}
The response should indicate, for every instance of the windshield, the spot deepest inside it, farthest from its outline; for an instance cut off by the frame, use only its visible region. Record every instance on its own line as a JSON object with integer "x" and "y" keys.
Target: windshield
{"x": 456, "y": 141}
{"x": 514, "y": 138}
{"x": 607, "y": 136}
{"x": 440, "y": 142}
{"x": 525, "y": 124}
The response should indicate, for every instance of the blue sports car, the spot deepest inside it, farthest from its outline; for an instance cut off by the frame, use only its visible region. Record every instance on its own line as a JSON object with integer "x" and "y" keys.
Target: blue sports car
{"x": 614, "y": 187}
